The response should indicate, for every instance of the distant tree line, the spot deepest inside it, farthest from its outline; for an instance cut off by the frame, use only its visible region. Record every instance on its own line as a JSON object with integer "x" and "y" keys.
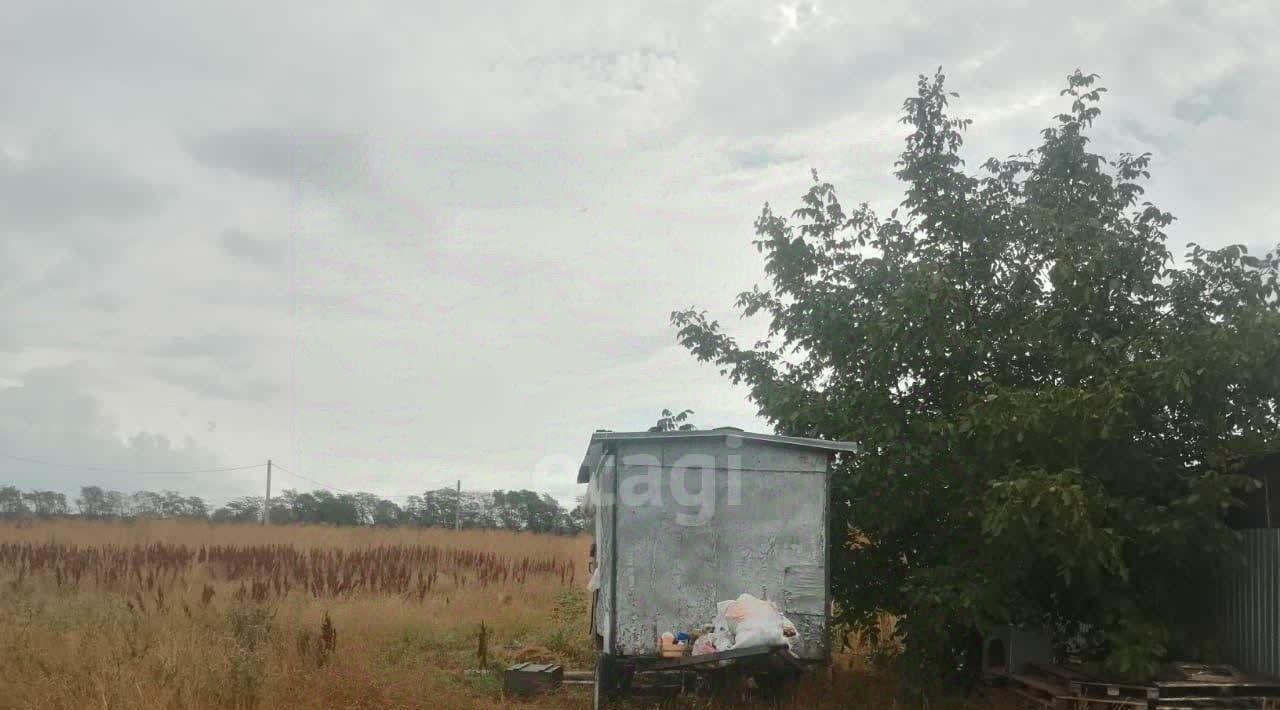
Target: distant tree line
{"x": 520, "y": 510}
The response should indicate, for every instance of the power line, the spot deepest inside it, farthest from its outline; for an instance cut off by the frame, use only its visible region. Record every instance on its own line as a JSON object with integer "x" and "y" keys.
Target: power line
{"x": 311, "y": 480}
{"x": 398, "y": 496}
{"x": 189, "y": 472}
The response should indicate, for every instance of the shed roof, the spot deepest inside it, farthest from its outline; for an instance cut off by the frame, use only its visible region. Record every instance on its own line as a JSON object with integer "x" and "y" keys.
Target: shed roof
{"x": 595, "y": 450}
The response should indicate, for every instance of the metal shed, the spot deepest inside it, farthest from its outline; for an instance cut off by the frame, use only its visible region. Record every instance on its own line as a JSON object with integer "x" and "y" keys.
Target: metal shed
{"x": 686, "y": 519}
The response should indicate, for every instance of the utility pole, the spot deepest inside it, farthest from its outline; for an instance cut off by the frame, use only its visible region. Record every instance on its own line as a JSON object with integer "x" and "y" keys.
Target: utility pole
{"x": 457, "y": 509}
{"x": 266, "y": 506}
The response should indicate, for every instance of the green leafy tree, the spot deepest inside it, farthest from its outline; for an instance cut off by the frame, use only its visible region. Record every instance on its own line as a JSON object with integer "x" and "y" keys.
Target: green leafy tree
{"x": 47, "y": 504}
{"x": 146, "y": 504}
{"x": 367, "y": 505}
{"x": 93, "y": 502}
{"x": 433, "y": 509}
{"x": 1053, "y": 416}
{"x": 528, "y": 511}
{"x": 243, "y": 510}
{"x": 386, "y": 514}
{"x": 176, "y": 505}
{"x": 116, "y": 504}
{"x": 674, "y": 422}
{"x": 580, "y": 519}
{"x": 321, "y": 506}
{"x": 12, "y": 504}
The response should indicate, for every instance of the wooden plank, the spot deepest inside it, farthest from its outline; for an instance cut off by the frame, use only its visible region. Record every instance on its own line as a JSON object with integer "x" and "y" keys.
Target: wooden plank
{"x": 1242, "y": 683}
{"x": 1188, "y": 690}
{"x": 1041, "y": 684}
{"x": 1057, "y": 671}
{"x": 1038, "y": 699}
{"x": 1110, "y": 703}
{"x": 667, "y": 664}
{"x": 1211, "y": 672}
{"x": 1239, "y": 703}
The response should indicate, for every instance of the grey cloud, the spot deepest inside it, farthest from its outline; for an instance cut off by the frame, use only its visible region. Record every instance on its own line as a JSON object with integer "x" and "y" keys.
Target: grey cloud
{"x": 1226, "y": 97}
{"x": 53, "y": 188}
{"x": 496, "y": 175}
{"x": 756, "y": 157}
{"x": 328, "y": 161}
{"x": 53, "y": 417}
{"x": 223, "y": 348}
{"x": 597, "y": 75}
{"x": 299, "y": 298}
{"x": 102, "y": 302}
{"x": 1145, "y": 136}
{"x": 221, "y": 386}
{"x": 245, "y": 246}
{"x": 214, "y": 365}
{"x": 622, "y": 347}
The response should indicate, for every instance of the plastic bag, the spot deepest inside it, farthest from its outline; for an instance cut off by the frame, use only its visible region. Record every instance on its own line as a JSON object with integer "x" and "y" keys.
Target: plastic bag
{"x": 709, "y": 643}
{"x": 720, "y": 624}
{"x": 755, "y": 622}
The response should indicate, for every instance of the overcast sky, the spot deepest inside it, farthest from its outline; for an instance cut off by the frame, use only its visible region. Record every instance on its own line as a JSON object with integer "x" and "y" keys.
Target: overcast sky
{"x": 393, "y": 244}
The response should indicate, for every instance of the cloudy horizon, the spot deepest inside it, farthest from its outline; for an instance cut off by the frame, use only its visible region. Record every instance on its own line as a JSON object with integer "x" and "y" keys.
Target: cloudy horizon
{"x": 392, "y": 245}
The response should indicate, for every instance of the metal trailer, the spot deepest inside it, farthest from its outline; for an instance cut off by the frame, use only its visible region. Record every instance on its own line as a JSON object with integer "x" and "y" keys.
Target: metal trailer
{"x": 686, "y": 519}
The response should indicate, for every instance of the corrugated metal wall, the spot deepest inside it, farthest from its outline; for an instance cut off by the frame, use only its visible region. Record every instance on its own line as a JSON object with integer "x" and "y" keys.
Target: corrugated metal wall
{"x": 1248, "y": 614}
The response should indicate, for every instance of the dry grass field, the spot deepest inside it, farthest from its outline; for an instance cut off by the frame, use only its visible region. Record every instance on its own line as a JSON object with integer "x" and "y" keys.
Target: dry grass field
{"x": 162, "y": 614}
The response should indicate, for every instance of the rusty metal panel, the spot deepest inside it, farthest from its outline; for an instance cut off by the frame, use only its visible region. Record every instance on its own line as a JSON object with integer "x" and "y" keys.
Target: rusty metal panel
{"x": 1248, "y": 613}
{"x": 690, "y": 535}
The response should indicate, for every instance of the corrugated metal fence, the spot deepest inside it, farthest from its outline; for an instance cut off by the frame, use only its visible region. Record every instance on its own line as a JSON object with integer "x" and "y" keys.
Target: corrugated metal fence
{"x": 1248, "y": 614}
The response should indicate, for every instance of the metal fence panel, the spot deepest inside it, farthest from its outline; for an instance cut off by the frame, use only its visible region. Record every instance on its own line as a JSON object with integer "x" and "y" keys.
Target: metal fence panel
{"x": 1248, "y": 614}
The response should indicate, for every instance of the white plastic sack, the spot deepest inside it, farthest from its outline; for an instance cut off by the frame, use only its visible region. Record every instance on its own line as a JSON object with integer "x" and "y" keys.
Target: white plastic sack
{"x": 755, "y": 622}
{"x": 721, "y": 624}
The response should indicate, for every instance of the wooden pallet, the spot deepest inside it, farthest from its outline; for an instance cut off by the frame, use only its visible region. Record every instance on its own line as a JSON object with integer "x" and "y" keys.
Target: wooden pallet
{"x": 1201, "y": 687}
{"x": 1233, "y": 703}
{"x": 1113, "y": 692}
{"x": 1211, "y": 689}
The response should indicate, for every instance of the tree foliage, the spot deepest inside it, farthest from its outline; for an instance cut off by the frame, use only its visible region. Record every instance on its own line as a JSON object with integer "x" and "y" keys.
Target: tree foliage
{"x": 673, "y": 422}
{"x": 45, "y": 504}
{"x": 99, "y": 503}
{"x": 519, "y": 510}
{"x": 1053, "y": 415}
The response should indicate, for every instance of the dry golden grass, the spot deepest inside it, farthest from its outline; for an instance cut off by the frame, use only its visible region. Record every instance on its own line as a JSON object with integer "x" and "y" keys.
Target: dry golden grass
{"x": 160, "y": 614}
